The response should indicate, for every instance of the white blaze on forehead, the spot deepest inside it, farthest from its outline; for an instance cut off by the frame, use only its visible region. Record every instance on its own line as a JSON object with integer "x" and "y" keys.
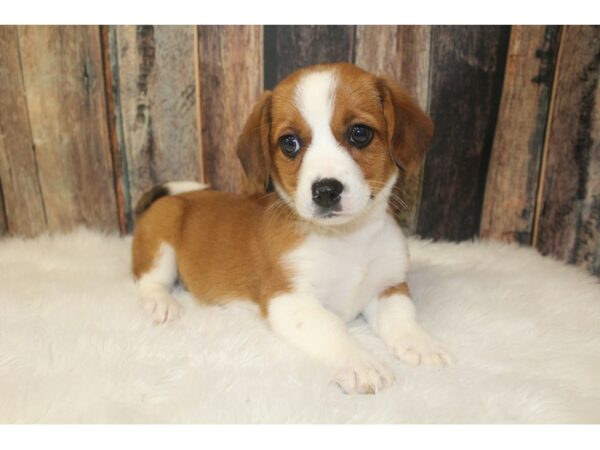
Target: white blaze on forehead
{"x": 315, "y": 97}
{"x": 324, "y": 157}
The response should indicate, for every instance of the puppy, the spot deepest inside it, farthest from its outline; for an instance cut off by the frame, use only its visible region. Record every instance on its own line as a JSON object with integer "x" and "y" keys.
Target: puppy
{"x": 320, "y": 250}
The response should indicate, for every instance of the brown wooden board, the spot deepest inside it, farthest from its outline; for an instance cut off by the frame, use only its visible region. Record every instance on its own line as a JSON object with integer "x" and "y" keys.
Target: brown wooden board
{"x": 568, "y": 225}
{"x": 290, "y": 47}
{"x": 115, "y": 131}
{"x": 512, "y": 181}
{"x": 3, "y": 224}
{"x": 157, "y": 107}
{"x": 467, "y": 66}
{"x": 403, "y": 53}
{"x": 64, "y": 87}
{"x": 22, "y": 196}
{"x": 231, "y": 80}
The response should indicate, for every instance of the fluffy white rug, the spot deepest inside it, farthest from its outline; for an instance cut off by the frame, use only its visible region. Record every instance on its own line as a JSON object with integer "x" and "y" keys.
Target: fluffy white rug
{"x": 76, "y": 346}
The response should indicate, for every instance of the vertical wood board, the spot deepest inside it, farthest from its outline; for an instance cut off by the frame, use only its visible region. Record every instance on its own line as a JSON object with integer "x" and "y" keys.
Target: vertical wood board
{"x": 512, "y": 180}
{"x": 64, "y": 87}
{"x": 568, "y": 226}
{"x": 231, "y": 80}
{"x": 157, "y": 107}
{"x": 467, "y": 67}
{"x": 23, "y": 206}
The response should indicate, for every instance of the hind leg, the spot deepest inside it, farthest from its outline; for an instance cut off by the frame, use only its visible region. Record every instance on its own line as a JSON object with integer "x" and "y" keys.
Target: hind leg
{"x": 154, "y": 286}
{"x": 154, "y": 263}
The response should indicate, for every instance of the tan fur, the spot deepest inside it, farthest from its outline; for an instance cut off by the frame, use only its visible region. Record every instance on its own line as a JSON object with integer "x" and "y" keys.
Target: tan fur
{"x": 401, "y": 289}
{"x": 409, "y": 129}
{"x": 253, "y": 146}
{"x": 227, "y": 246}
{"x": 231, "y": 246}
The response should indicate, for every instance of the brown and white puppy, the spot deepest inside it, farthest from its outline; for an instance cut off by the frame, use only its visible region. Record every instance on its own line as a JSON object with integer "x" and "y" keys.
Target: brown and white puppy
{"x": 320, "y": 250}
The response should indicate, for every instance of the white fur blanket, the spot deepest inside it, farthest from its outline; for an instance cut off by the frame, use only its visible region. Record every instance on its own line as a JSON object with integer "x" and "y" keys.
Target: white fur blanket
{"x": 76, "y": 346}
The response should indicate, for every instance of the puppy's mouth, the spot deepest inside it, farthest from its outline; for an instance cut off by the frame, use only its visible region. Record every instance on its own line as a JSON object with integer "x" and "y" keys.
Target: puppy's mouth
{"x": 331, "y": 219}
{"x": 328, "y": 213}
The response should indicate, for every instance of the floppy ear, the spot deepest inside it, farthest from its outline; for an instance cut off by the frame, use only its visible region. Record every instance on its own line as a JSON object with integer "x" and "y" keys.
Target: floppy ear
{"x": 409, "y": 129}
{"x": 253, "y": 146}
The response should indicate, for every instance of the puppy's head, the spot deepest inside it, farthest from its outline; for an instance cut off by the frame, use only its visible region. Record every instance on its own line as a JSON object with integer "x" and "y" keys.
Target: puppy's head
{"x": 331, "y": 138}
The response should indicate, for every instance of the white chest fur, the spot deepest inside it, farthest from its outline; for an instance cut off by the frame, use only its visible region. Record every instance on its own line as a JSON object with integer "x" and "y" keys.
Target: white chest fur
{"x": 346, "y": 270}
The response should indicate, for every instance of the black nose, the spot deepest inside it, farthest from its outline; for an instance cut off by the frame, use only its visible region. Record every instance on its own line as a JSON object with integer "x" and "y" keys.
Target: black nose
{"x": 327, "y": 192}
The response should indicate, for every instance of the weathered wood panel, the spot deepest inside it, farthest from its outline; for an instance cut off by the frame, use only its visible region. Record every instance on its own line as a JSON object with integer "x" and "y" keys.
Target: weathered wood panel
{"x": 115, "y": 131}
{"x": 568, "y": 226}
{"x": 3, "y": 224}
{"x": 513, "y": 174}
{"x": 289, "y": 47}
{"x": 231, "y": 80}
{"x": 467, "y": 67}
{"x": 403, "y": 53}
{"x": 90, "y": 117}
{"x": 22, "y": 196}
{"x": 64, "y": 86}
{"x": 157, "y": 111}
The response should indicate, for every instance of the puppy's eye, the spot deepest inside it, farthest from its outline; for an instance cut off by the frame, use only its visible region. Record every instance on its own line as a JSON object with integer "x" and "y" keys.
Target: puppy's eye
{"x": 360, "y": 135}
{"x": 290, "y": 145}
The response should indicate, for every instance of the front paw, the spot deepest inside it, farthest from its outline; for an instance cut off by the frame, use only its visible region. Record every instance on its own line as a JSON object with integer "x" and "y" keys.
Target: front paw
{"x": 363, "y": 375}
{"x": 416, "y": 347}
{"x": 163, "y": 308}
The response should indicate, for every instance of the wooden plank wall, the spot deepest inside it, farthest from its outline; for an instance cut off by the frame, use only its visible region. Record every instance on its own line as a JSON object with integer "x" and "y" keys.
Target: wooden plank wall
{"x": 568, "y": 220}
{"x": 90, "y": 117}
{"x": 56, "y": 168}
{"x": 18, "y": 168}
{"x": 231, "y": 78}
{"x": 467, "y": 66}
{"x": 512, "y": 181}
{"x": 154, "y": 80}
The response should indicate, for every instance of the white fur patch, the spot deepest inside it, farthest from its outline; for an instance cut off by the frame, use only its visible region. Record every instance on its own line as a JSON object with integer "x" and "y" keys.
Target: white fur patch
{"x": 346, "y": 270}
{"x": 325, "y": 157}
{"x": 155, "y": 286}
{"x": 180, "y": 187}
{"x": 304, "y": 322}
{"x": 319, "y": 332}
{"x": 394, "y": 319}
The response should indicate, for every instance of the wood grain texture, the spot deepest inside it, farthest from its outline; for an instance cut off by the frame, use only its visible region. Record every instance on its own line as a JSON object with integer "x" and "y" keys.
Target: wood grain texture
{"x": 467, "y": 67}
{"x": 289, "y": 47}
{"x": 3, "y": 224}
{"x": 115, "y": 131}
{"x": 403, "y": 53}
{"x": 64, "y": 86}
{"x": 568, "y": 226}
{"x": 512, "y": 181}
{"x": 157, "y": 111}
{"x": 23, "y": 207}
{"x": 231, "y": 79}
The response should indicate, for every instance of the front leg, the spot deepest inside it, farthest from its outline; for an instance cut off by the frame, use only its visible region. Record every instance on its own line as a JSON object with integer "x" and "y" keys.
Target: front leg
{"x": 394, "y": 318}
{"x": 304, "y": 322}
